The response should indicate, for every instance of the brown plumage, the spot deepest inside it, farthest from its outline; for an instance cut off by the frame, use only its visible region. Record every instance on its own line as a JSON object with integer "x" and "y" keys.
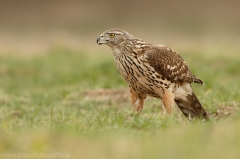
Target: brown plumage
{"x": 153, "y": 70}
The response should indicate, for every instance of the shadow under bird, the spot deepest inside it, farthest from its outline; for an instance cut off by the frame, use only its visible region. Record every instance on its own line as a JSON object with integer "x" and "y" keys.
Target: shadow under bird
{"x": 154, "y": 70}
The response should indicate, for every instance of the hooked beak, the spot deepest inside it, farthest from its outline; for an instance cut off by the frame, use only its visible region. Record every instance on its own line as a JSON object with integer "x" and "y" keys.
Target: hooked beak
{"x": 98, "y": 40}
{"x": 101, "y": 40}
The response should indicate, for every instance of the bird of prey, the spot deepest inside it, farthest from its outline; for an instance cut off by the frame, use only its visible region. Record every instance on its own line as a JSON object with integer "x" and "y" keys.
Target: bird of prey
{"x": 154, "y": 70}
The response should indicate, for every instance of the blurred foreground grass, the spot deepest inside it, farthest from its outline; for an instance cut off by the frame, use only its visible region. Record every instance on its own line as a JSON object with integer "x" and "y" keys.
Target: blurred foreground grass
{"x": 74, "y": 102}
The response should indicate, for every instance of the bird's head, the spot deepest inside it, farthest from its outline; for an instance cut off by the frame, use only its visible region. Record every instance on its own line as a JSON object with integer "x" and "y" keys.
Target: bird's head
{"x": 113, "y": 37}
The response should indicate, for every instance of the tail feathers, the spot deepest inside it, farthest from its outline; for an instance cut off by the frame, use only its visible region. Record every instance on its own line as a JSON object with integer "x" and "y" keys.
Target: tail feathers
{"x": 191, "y": 107}
{"x": 197, "y": 80}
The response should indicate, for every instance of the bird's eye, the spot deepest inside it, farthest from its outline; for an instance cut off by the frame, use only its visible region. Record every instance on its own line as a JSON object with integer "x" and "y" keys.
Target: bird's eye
{"x": 111, "y": 35}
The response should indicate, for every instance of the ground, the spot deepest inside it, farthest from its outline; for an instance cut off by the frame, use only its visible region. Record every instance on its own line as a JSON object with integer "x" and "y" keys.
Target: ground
{"x": 76, "y": 103}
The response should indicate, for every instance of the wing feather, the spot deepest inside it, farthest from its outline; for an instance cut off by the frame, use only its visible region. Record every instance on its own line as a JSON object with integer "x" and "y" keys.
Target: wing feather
{"x": 170, "y": 64}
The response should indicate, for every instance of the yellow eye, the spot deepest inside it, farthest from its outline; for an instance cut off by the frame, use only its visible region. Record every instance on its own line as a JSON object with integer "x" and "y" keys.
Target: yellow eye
{"x": 111, "y": 35}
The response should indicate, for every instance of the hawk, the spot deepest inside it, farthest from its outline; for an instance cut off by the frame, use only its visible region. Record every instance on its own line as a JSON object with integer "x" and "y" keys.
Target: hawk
{"x": 154, "y": 70}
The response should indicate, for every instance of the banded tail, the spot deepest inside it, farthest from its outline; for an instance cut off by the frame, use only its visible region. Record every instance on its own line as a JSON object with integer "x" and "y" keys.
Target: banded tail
{"x": 191, "y": 108}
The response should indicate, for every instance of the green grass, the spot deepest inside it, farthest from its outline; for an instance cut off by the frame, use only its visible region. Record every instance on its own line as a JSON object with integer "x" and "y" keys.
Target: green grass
{"x": 44, "y": 108}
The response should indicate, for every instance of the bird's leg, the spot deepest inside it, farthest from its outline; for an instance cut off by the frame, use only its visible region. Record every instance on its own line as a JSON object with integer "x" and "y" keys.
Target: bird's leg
{"x": 164, "y": 111}
{"x": 167, "y": 102}
{"x": 137, "y": 102}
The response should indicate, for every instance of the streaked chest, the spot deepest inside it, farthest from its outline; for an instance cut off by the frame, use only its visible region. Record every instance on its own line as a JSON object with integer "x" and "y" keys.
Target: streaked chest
{"x": 140, "y": 75}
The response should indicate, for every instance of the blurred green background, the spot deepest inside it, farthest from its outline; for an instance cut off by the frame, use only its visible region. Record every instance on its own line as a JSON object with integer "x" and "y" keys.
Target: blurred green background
{"x": 33, "y": 26}
{"x": 60, "y": 92}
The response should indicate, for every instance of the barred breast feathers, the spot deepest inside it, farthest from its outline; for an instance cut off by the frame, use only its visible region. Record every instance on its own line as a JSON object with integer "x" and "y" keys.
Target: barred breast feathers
{"x": 163, "y": 59}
